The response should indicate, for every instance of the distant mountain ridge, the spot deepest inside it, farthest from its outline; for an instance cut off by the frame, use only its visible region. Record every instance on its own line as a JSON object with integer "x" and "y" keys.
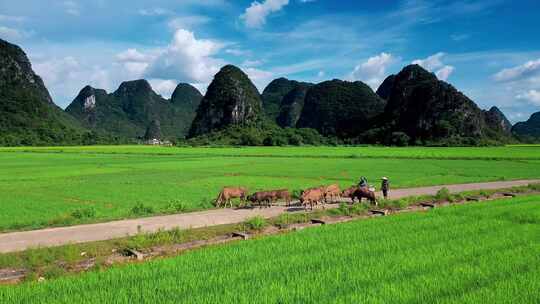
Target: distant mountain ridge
{"x": 28, "y": 115}
{"x": 292, "y": 104}
{"x": 412, "y": 107}
{"x": 274, "y": 93}
{"x": 134, "y": 107}
{"x": 422, "y": 109}
{"x": 231, "y": 99}
{"x": 340, "y": 108}
{"x": 530, "y": 128}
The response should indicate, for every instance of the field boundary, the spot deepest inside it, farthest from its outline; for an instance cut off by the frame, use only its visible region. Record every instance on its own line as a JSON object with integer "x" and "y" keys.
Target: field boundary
{"x": 50, "y": 237}
{"x": 225, "y": 155}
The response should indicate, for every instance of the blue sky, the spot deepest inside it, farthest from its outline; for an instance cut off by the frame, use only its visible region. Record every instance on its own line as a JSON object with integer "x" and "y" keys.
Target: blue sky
{"x": 488, "y": 49}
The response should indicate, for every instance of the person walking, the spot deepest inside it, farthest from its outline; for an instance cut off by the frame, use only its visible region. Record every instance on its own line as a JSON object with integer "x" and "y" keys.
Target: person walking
{"x": 385, "y": 186}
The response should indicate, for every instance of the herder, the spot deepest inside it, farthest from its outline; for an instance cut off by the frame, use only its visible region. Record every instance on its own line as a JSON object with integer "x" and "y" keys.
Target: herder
{"x": 385, "y": 186}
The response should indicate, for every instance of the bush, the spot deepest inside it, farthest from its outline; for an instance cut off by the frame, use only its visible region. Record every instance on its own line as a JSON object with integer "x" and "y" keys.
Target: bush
{"x": 443, "y": 195}
{"x": 85, "y": 213}
{"x": 286, "y": 219}
{"x": 141, "y": 209}
{"x": 534, "y": 187}
{"x": 296, "y": 193}
{"x": 255, "y": 223}
{"x": 177, "y": 206}
{"x": 53, "y": 272}
{"x": 343, "y": 209}
{"x": 358, "y": 209}
{"x": 400, "y": 139}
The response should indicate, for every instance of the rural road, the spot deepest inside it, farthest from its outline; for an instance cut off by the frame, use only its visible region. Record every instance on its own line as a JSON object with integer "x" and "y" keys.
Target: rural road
{"x": 18, "y": 241}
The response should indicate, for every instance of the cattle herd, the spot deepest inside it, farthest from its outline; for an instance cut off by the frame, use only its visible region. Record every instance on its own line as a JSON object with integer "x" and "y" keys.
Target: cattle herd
{"x": 311, "y": 196}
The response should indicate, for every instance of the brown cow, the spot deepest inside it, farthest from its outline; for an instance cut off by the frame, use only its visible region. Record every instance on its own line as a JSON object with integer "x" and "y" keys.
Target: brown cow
{"x": 332, "y": 192}
{"x": 229, "y": 193}
{"x": 312, "y": 196}
{"x": 356, "y": 192}
{"x": 262, "y": 197}
{"x": 283, "y": 194}
{"x": 348, "y": 192}
{"x": 270, "y": 197}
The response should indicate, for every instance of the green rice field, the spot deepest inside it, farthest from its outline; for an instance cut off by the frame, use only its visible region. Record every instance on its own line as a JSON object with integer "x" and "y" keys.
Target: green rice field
{"x": 70, "y": 185}
{"x": 503, "y": 152}
{"x": 474, "y": 253}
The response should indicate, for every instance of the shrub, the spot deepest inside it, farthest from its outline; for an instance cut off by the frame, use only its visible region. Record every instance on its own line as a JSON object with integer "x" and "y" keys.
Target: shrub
{"x": 255, "y": 223}
{"x": 443, "y": 194}
{"x": 53, "y": 272}
{"x": 141, "y": 209}
{"x": 344, "y": 209}
{"x": 358, "y": 209}
{"x": 400, "y": 139}
{"x": 458, "y": 197}
{"x": 282, "y": 221}
{"x": 85, "y": 213}
{"x": 535, "y": 187}
{"x": 177, "y": 206}
{"x": 296, "y": 193}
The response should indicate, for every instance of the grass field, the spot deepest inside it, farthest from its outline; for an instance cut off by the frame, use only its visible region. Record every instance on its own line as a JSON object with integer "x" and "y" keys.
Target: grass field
{"x": 475, "y": 253}
{"x": 46, "y": 187}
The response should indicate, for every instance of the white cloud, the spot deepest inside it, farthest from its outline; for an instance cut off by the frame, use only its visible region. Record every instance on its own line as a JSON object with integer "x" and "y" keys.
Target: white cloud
{"x": 12, "y": 34}
{"x": 259, "y": 77}
{"x": 255, "y": 15}
{"x": 236, "y": 52}
{"x": 72, "y": 8}
{"x": 132, "y": 55}
{"x": 56, "y": 71}
{"x": 434, "y": 63}
{"x": 373, "y": 70}
{"x": 164, "y": 87}
{"x": 526, "y": 70}
{"x": 186, "y": 59}
{"x": 460, "y": 37}
{"x": 251, "y": 63}
{"x": 321, "y": 74}
{"x": 6, "y": 18}
{"x": 156, "y": 11}
{"x": 134, "y": 62}
{"x": 187, "y": 21}
{"x": 445, "y": 72}
{"x": 531, "y": 96}
{"x": 66, "y": 76}
{"x": 135, "y": 69}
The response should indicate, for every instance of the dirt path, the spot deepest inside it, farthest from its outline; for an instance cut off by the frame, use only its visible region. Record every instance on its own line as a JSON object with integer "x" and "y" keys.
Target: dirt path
{"x": 18, "y": 241}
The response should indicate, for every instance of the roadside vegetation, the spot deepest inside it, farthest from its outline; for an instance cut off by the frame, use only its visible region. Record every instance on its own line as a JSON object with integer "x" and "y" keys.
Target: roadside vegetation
{"x": 471, "y": 253}
{"x": 47, "y": 187}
